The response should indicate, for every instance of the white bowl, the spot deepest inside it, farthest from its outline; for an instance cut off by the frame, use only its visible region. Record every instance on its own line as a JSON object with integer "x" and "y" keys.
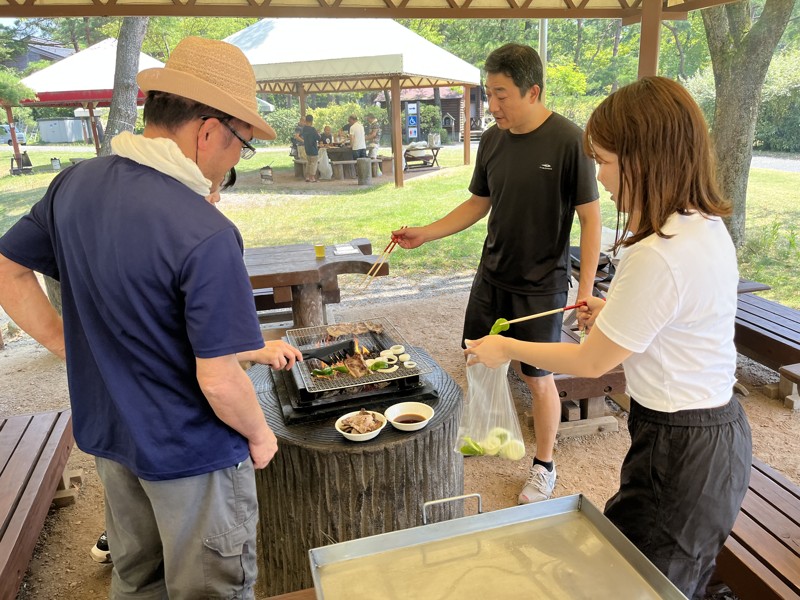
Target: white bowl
{"x": 406, "y": 409}
{"x": 360, "y": 437}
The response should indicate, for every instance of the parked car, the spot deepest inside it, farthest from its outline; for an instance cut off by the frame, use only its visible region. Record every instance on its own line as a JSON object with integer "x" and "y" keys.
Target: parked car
{"x": 5, "y": 136}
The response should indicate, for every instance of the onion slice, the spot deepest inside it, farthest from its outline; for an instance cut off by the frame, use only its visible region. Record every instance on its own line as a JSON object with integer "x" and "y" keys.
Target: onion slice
{"x": 389, "y": 370}
{"x": 409, "y": 364}
{"x": 404, "y": 357}
{"x": 398, "y": 349}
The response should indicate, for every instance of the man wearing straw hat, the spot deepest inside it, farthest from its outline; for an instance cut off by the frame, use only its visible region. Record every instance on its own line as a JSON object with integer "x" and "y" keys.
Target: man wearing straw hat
{"x": 157, "y": 313}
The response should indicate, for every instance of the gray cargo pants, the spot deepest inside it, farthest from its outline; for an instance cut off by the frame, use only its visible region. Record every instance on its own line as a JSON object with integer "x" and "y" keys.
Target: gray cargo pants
{"x": 187, "y": 538}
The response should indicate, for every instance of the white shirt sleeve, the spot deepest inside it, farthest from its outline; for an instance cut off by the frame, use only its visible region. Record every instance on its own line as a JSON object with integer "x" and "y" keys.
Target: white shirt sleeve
{"x": 642, "y": 300}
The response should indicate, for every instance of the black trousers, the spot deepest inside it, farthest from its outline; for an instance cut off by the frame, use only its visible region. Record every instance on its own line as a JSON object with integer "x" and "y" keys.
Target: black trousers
{"x": 681, "y": 488}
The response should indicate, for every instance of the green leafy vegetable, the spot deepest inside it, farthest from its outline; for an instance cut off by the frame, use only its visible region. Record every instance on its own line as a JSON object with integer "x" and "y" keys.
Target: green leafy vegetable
{"x": 471, "y": 448}
{"x": 499, "y": 325}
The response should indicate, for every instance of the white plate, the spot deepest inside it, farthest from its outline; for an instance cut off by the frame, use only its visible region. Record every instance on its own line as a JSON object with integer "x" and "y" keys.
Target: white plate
{"x": 360, "y": 437}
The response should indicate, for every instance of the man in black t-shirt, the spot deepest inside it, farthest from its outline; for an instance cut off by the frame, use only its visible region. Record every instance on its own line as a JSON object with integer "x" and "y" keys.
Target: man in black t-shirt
{"x": 531, "y": 176}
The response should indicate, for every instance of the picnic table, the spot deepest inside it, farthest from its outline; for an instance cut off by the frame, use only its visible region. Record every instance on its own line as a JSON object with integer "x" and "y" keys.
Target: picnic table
{"x": 293, "y": 274}
{"x": 422, "y": 158}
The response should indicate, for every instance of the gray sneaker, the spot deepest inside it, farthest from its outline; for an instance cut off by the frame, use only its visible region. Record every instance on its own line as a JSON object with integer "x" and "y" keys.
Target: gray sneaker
{"x": 540, "y": 485}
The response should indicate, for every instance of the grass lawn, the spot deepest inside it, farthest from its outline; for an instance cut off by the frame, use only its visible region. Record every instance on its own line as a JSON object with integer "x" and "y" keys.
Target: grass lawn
{"x": 275, "y": 214}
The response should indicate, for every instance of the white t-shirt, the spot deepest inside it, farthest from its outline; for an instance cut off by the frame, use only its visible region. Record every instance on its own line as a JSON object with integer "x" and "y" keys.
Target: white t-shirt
{"x": 672, "y": 303}
{"x": 357, "y": 136}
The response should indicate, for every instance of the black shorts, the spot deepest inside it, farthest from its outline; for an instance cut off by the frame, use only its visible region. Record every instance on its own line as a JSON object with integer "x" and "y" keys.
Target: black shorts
{"x": 487, "y": 303}
{"x": 681, "y": 486}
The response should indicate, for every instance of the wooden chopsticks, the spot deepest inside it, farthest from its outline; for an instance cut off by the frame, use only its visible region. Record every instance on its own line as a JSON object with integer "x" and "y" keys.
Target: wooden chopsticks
{"x": 381, "y": 259}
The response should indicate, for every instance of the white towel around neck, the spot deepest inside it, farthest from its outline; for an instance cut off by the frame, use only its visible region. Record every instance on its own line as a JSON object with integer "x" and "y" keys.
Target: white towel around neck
{"x": 163, "y": 155}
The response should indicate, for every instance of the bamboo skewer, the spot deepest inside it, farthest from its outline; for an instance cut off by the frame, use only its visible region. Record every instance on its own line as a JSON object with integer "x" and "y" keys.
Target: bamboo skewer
{"x": 381, "y": 259}
{"x": 544, "y": 314}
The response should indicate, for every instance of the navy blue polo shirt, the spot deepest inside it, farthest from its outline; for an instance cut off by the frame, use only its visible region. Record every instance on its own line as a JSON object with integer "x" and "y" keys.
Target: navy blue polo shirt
{"x": 152, "y": 276}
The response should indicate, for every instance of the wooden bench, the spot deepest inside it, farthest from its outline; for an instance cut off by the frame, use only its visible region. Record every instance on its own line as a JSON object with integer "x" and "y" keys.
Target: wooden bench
{"x": 583, "y": 399}
{"x": 788, "y": 386}
{"x": 33, "y": 453}
{"x": 344, "y": 168}
{"x": 299, "y": 168}
{"x": 761, "y": 558}
{"x": 767, "y": 332}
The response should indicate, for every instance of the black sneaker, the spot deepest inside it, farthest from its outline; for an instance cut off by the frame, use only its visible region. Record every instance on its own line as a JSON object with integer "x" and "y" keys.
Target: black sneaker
{"x": 100, "y": 552}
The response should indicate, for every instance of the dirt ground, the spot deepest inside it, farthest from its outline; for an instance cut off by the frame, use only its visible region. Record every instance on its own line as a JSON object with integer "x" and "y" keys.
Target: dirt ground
{"x": 428, "y": 313}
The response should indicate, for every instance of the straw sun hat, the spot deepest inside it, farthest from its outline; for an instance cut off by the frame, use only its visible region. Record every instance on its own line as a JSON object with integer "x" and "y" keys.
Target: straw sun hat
{"x": 214, "y": 73}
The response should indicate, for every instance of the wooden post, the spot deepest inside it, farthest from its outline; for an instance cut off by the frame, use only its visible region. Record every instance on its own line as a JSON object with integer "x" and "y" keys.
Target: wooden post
{"x": 650, "y": 38}
{"x": 467, "y": 117}
{"x": 397, "y": 134}
{"x": 301, "y": 92}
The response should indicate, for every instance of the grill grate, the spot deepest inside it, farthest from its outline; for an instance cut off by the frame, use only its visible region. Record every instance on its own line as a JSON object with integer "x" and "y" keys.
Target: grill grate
{"x": 313, "y": 337}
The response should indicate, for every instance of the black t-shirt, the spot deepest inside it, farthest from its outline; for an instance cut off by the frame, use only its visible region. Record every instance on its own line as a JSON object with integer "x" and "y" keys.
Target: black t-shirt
{"x": 310, "y": 139}
{"x": 535, "y": 180}
{"x": 325, "y": 138}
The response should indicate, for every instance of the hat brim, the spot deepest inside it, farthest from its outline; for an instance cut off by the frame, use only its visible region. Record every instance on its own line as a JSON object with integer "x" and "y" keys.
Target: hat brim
{"x": 194, "y": 88}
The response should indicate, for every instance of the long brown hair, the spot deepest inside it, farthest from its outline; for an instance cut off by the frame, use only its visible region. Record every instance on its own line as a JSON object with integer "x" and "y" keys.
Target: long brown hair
{"x": 666, "y": 162}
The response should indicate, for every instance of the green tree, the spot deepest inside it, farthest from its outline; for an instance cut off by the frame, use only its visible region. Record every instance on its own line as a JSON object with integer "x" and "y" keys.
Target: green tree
{"x": 11, "y": 93}
{"x": 741, "y": 45}
{"x": 684, "y": 49}
{"x": 75, "y": 32}
{"x": 10, "y": 43}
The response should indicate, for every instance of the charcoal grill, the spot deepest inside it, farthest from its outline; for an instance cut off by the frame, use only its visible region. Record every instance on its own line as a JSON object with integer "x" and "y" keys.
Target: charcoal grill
{"x": 305, "y": 397}
{"x": 379, "y": 335}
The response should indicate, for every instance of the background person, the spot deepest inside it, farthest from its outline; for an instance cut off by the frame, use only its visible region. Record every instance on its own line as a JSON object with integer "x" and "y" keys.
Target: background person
{"x": 326, "y": 137}
{"x": 311, "y": 145}
{"x": 158, "y": 312}
{"x": 669, "y": 319}
{"x": 357, "y": 141}
{"x": 533, "y": 176}
{"x": 297, "y": 140}
{"x": 373, "y": 136}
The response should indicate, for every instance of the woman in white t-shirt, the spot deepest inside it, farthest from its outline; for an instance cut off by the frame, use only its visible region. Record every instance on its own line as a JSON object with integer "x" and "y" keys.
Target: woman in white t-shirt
{"x": 669, "y": 319}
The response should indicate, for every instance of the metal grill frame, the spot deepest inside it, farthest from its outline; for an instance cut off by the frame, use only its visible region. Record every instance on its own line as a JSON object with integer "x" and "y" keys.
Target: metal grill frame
{"x": 312, "y": 337}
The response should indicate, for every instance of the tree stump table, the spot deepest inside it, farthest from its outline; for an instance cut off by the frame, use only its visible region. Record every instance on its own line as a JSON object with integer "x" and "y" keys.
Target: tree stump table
{"x": 322, "y": 489}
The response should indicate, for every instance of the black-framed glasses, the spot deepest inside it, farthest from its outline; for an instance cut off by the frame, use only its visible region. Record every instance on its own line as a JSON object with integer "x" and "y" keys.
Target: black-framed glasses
{"x": 247, "y": 151}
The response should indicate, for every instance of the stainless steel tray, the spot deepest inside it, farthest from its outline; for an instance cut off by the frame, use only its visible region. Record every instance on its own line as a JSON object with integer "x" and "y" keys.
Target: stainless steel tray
{"x": 562, "y": 548}
{"x": 312, "y": 337}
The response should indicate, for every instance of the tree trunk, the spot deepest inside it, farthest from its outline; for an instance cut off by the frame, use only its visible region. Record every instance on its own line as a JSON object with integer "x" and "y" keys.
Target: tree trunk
{"x": 740, "y": 54}
{"x": 615, "y": 52}
{"x": 12, "y": 130}
{"x": 576, "y": 57}
{"x": 679, "y": 47}
{"x": 122, "y": 115}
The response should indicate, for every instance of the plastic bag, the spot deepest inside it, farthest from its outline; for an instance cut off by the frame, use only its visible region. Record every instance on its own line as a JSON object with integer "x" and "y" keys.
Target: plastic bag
{"x": 489, "y": 425}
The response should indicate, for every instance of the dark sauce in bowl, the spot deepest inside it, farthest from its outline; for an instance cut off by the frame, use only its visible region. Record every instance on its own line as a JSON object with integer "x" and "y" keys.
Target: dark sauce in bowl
{"x": 409, "y": 419}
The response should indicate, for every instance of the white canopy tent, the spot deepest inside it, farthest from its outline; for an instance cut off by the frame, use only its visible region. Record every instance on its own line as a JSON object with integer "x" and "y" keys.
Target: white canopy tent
{"x": 84, "y": 79}
{"x": 86, "y": 76}
{"x": 301, "y": 56}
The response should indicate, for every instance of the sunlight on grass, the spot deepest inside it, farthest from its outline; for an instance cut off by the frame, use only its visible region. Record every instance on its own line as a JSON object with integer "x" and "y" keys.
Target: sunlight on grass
{"x": 276, "y": 214}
